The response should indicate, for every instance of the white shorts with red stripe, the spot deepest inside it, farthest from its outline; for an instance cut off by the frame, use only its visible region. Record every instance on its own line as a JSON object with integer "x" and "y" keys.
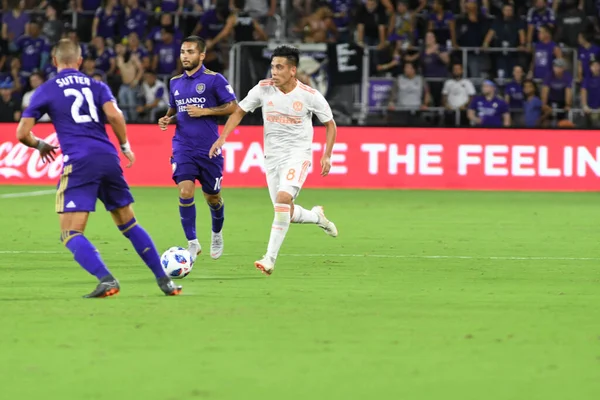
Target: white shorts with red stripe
{"x": 287, "y": 177}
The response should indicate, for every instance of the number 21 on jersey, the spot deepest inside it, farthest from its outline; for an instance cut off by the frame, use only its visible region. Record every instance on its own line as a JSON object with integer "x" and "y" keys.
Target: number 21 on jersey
{"x": 80, "y": 96}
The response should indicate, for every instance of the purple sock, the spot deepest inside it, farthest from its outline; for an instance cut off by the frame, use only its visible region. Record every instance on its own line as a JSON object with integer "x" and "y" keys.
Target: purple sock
{"x": 142, "y": 243}
{"x": 187, "y": 210}
{"x": 218, "y": 215}
{"x": 85, "y": 253}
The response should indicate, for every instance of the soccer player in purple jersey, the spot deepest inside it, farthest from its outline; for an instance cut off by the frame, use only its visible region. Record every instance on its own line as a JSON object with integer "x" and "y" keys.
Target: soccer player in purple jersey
{"x": 78, "y": 106}
{"x": 196, "y": 98}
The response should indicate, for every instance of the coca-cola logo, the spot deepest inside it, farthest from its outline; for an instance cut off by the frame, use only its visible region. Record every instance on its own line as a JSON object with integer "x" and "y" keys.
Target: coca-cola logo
{"x": 20, "y": 161}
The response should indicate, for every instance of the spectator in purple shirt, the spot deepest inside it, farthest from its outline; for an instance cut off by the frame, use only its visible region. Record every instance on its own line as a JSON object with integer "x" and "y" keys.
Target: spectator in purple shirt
{"x": 435, "y": 60}
{"x": 442, "y": 24}
{"x": 155, "y": 36}
{"x": 166, "y": 54}
{"x": 513, "y": 91}
{"x": 557, "y": 90}
{"x": 489, "y": 110}
{"x": 586, "y": 53}
{"x": 14, "y": 20}
{"x": 590, "y": 95}
{"x": 104, "y": 56}
{"x": 134, "y": 19}
{"x": 106, "y": 20}
{"x": 212, "y": 22}
{"x": 544, "y": 52}
{"x": 33, "y": 48}
{"x": 539, "y": 15}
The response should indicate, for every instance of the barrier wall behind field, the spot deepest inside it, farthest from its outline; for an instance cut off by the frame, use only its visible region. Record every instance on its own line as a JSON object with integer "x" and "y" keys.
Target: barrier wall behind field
{"x": 364, "y": 157}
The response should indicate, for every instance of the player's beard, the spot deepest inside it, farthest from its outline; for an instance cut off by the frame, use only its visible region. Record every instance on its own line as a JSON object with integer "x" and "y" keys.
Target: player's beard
{"x": 192, "y": 65}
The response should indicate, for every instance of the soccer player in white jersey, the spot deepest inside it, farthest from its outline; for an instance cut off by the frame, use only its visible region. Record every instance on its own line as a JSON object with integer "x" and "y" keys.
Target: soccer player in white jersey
{"x": 287, "y": 108}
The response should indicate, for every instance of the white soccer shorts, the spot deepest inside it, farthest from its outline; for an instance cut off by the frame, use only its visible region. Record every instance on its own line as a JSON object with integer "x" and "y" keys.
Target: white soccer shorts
{"x": 287, "y": 177}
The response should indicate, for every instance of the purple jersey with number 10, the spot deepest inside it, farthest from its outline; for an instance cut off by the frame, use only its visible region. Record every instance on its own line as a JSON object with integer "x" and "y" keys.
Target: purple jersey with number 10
{"x": 91, "y": 164}
{"x": 195, "y": 136}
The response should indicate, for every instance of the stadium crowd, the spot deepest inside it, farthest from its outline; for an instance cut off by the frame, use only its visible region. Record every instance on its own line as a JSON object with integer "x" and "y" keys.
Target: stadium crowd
{"x": 534, "y": 62}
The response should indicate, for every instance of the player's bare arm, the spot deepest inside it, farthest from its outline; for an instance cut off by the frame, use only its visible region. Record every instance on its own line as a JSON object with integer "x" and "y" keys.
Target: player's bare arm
{"x": 25, "y": 136}
{"x": 169, "y": 118}
{"x": 117, "y": 122}
{"x": 223, "y": 109}
{"x": 232, "y": 122}
{"x": 330, "y": 135}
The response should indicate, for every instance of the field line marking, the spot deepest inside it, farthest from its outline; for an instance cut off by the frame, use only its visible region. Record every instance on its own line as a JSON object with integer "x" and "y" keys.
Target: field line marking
{"x": 397, "y": 256}
{"x": 27, "y": 194}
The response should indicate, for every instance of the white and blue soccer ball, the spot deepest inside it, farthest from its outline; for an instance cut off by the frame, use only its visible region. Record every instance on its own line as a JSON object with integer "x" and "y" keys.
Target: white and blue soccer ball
{"x": 176, "y": 262}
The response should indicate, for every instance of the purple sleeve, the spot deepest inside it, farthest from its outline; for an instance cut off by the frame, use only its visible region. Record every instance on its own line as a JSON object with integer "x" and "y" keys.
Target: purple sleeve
{"x": 37, "y": 105}
{"x": 569, "y": 79}
{"x": 449, "y": 16}
{"x": 98, "y": 13}
{"x": 584, "y": 84}
{"x": 472, "y": 105}
{"x": 223, "y": 90}
{"x": 546, "y": 80}
{"x": 503, "y": 108}
{"x": 159, "y": 93}
{"x": 19, "y": 42}
{"x": 105, "y": 94}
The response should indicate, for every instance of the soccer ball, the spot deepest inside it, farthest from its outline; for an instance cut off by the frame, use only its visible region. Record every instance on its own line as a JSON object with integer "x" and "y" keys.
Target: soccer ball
{"x": 176, "y": 262}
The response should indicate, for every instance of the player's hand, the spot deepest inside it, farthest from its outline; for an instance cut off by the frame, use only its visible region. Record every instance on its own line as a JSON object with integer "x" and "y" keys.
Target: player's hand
{"x": 47, "y": 151}
{"x": 195, "y": 112}
{"x": 215, "y": 150}
{"x": 130, "y": 156}
{"x": 163, "y": 122}
{"x": 325, "y": 165}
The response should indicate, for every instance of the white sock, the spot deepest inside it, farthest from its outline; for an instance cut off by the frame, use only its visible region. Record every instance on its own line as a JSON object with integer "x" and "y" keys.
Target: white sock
{"x": 280, "y": 226}
{"x": 195, "y": 241}
{"x": 304, "y": 216}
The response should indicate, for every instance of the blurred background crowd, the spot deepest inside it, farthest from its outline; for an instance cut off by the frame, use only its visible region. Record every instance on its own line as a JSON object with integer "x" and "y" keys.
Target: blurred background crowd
{"x": 526, "y": 63}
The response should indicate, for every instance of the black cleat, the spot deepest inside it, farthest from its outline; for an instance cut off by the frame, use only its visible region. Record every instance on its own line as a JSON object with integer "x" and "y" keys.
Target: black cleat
{"x": 108, "y": 286}
{"x": 168, "y": 287}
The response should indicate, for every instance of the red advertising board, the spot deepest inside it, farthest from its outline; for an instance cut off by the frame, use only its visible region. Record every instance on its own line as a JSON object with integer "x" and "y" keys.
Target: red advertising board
{"x": 364, "y": 157}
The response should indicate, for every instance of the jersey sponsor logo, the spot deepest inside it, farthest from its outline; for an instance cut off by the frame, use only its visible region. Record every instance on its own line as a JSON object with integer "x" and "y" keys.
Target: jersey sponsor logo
{"x": 297, "y": 106}
{"x": 200, "y": 88}
{"x": 284, "y": 119}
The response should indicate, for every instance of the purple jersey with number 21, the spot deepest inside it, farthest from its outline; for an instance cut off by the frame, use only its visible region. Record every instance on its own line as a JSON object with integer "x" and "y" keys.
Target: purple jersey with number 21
{"x": 91, "y": 164}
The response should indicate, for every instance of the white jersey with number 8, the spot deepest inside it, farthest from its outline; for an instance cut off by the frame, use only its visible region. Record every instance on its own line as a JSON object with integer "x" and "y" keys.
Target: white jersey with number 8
{"x": 288, "y": 129}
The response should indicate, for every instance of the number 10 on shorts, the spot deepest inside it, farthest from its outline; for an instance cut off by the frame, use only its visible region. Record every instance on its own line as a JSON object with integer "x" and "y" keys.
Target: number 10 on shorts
{"x": 218, "y": 183}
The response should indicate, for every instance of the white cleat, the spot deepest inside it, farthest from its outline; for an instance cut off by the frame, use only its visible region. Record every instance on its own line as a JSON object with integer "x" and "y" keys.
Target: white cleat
{"x": 216, "y": 245}
{"x": 195, "y": 249}
{"x": 324, "y": 223}
{"x": 265, "y": 265}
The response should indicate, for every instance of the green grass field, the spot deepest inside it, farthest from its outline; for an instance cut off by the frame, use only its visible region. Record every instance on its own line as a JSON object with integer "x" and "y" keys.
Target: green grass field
{"x": 424, "y": 295}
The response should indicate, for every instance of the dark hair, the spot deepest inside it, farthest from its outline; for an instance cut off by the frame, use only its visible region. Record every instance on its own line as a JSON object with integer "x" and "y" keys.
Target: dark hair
{"x": 239, "y": 4}
{"x": 532, "y": 82}
{"x": 198, "y": 40}
{"x": 291, "y": 54}
{"x": 38, "y": 74}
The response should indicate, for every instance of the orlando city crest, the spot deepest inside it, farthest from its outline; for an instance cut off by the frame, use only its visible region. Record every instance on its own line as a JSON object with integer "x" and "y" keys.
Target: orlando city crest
{"x": 200, "y": 88}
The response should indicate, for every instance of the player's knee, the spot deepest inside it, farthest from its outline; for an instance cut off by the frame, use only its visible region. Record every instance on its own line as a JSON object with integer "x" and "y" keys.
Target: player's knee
{"x": 186, "y": 191}
{"x": 212, "y": 199}
{"x": 284, "y": 198}
{"x": 122, "y": 215}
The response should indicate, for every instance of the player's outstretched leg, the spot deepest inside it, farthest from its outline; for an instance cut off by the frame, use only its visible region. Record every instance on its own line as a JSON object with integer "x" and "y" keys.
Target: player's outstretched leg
{"x": 187, "y": 211}
{"x": 72, "y": 226}
{"x": 217, "y": 212}
{"x": 316, "y": 215}
{"x": 144, "y": 246}
{"x": 279, "y": 228}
